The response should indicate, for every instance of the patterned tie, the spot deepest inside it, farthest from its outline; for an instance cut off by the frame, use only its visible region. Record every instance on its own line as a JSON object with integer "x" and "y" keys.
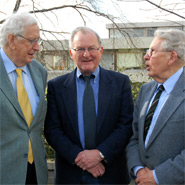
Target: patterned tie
{"x": 25, "y": 106}
{"x": 89, "y": 114}
{"x": 151, "y": 111}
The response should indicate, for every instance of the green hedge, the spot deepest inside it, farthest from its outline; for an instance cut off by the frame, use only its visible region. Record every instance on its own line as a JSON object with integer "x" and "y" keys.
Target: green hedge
{"x": 135, "y": 89}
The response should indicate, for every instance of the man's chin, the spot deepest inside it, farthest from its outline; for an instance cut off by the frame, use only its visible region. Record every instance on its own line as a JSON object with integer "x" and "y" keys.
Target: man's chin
{"x": 87, "y": 72}
{"x": 29, "y": 61}
{"x": 150, "y": 74}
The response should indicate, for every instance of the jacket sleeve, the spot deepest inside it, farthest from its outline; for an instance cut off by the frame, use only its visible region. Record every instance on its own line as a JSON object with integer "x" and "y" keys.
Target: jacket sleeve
{"x": 53, "y": 130}
{"x": 133, "y": 156}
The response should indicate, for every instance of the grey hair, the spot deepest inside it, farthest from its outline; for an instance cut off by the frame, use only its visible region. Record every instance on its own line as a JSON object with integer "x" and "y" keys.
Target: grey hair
{"x": 15, "y": 24}
{"x": 82, "y": 29}
{"x": 174, "y": 40}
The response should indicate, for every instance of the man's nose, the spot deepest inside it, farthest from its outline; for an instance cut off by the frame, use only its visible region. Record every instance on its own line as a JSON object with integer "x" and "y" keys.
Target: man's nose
{"x": 146, "y": 57}
{"x": 36, "y": 46}
{"x": 86, "y": 52}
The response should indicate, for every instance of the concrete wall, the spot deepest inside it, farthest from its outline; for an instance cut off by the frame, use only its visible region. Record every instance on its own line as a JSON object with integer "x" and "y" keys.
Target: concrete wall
{"x": 51, "y": 168}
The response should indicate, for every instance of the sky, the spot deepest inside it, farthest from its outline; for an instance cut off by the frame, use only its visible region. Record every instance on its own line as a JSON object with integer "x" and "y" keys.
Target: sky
{"x": 127, "y": 11}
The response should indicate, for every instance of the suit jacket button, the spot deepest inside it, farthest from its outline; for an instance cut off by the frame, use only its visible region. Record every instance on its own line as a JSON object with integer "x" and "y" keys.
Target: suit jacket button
{"x": 25, "y": 155}
{"x": 147, "y": 157}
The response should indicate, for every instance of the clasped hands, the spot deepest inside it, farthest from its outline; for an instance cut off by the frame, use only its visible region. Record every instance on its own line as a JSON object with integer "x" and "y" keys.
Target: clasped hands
{"x": 145, "y": 177}
{"x": 90, "y": 160}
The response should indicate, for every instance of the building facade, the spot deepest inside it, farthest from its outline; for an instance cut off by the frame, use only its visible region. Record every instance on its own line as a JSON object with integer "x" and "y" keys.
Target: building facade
{"x": 123, "y": 50}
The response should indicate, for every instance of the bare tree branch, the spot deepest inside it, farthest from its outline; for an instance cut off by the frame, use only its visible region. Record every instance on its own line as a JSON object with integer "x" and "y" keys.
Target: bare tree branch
{"x": 81, "y": 15}
{"x": 17, "y": 5}
{"x": 62, "y": 32}
{"x": 171, "y": 12}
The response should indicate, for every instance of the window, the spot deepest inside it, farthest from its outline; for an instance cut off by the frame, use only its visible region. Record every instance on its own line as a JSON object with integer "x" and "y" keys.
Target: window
{"x": 107, "y": 61}
{"x": 129, "y": 60}
{"x": 138, "y": 32}
{"x": 150, "y": 32}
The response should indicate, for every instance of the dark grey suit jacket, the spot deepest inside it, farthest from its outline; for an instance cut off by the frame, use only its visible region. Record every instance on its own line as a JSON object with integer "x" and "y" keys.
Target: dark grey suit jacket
{"x": 14, "y": 131}
{"x": 165, "y": 151}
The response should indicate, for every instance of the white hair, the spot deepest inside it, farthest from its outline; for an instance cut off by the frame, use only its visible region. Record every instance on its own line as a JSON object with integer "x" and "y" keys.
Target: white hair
{"x": 173, "y": 40}
{"x": 15, "y": 24}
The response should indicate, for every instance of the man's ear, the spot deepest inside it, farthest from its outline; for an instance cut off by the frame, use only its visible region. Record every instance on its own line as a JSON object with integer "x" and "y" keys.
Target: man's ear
{"x": 173, "y": 57}
{"x": 11, "y": 41}
{"x": 70, "y": 53}
{"x": 101, "y": 49}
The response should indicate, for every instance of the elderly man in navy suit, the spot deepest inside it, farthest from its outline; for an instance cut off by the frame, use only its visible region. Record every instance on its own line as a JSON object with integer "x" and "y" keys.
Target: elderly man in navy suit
{"x": 156, "y": 151}
{"x": 89, "y": 142}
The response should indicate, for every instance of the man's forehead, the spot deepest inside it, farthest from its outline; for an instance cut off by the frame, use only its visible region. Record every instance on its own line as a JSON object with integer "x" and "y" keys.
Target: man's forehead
{"x": 156, "y": 42}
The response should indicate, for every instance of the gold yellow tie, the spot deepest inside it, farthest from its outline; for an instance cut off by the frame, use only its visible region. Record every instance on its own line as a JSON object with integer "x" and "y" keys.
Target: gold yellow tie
{"x": 25, "y": 106}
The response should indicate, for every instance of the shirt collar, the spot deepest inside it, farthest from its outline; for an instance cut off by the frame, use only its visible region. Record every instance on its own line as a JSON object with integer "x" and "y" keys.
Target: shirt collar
{"x": 9, "y": 65}
{"x": 95, "y": 73}
{"x": 170, "y": 82}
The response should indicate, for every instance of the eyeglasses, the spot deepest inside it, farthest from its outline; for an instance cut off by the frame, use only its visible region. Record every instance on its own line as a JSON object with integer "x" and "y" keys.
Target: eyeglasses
{"x": 82, "y": 50}
{"x": 32, "y": 42}
{"x": 150, "y": 51}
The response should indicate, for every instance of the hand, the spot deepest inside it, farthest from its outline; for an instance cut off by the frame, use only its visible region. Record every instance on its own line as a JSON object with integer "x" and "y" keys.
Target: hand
{"x": 145, "y": 177}
{"x": 97, "y": 170}
{"x": 88, "y": 159}
{"x": 141, "y": 172}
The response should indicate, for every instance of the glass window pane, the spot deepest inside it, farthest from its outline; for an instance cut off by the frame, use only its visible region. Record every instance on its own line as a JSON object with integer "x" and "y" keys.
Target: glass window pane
{"x": 150, "y": 32}
{"x": 107, "y": 61}
{"x": 138, "y": 32}
{"x": 129, "y": 60}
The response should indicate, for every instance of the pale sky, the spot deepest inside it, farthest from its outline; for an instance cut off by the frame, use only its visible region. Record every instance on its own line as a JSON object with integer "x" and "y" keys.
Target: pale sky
{"x": 67, "y": 19}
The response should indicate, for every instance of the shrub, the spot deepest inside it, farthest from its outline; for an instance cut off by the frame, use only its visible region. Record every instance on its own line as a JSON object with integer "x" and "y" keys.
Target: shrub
{"x": 135, "y": 89}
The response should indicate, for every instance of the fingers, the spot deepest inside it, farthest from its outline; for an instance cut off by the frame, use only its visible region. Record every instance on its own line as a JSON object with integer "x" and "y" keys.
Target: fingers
{"x": 97, "y": 171}
{"x": 87, "y": 159}
{"x": 145, "y": 177}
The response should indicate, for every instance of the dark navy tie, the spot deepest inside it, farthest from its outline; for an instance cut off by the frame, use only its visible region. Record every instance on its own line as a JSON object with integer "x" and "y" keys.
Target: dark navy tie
{"x": 89, "y": 114}
{"x": 151, "y": 111}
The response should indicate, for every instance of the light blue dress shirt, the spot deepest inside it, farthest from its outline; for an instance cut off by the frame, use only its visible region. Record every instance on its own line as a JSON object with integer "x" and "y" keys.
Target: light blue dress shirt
{"x": 27, "y": 80}
{"x": 80, "y": 85}
{"x": 168, "y": 87}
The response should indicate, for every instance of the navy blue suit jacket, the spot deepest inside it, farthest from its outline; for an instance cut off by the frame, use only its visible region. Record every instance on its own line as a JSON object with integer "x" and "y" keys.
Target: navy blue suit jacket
{"x": 113, "y": 129}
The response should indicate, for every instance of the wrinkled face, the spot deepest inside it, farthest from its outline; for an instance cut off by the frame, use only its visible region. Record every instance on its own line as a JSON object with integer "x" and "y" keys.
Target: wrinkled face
{"x": 87, "y": 53}
{"x": 157, "y": 61}
{"x": 24, "y": 50}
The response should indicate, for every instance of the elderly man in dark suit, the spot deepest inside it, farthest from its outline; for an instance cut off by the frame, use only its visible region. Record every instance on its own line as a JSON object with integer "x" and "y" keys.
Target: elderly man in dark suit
{"x": 156, "y": 151}
{"x": 89, "y": 137}
{"x": 22, "y": 103}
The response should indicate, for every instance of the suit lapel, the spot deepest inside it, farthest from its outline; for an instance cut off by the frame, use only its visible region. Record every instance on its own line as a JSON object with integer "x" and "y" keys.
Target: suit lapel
{"x": 70, "y": 99}
{"x": 7, "y": 88}
{"x": 174, "y": 100}
{"x": 38, "y": 83}
{"x": 147, "y": 95}
{"x": 105, "y": 85}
